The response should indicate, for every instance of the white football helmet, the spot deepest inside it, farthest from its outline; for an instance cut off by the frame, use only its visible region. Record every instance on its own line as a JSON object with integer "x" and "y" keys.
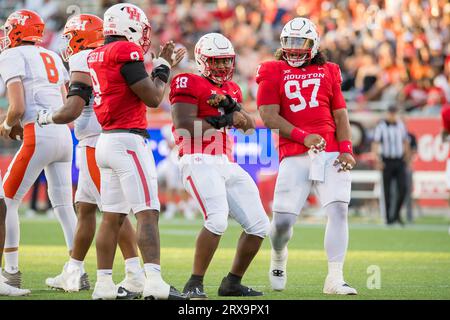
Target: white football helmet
{"x": 130, "y": 21}
{"x": 208, "y": 50}
{"x": 299, "y": 41}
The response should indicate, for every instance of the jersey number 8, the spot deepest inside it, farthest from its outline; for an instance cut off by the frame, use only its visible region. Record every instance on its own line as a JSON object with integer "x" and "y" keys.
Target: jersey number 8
{"x": 296, "y": 93}
{"x": 50, "y": 67}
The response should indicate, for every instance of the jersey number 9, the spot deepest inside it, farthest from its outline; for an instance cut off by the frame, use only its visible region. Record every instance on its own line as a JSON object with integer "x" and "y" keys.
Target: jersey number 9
{"x": 292, "y": 89}
{"x": 96, "y": 87}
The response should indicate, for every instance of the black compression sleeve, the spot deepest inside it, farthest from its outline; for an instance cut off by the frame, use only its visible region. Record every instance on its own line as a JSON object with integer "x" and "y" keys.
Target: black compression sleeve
{"x": 162, "y": 72}
{"x": 80, "y": 89}
{"x": 133, "y": 72}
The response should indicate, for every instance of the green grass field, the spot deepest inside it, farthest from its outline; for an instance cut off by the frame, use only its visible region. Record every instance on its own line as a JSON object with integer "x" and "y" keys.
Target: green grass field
{"x": 414, "y": 262}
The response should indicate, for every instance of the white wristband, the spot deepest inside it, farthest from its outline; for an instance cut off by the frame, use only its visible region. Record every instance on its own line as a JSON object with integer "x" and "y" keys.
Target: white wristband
{"x": 6, "y": 126}
{"x": 160, "y": 61}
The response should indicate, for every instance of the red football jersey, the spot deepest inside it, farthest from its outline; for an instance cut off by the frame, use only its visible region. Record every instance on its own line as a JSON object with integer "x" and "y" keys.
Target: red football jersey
{"x": 115, "y": 104}
{"x": 307, "y": 96}
{"x": 445, "y": 116}
{"x": 194, "y": 89}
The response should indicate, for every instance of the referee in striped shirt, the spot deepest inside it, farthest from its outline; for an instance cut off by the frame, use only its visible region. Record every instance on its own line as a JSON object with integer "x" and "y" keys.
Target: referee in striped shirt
{"x": 391, "y": 145}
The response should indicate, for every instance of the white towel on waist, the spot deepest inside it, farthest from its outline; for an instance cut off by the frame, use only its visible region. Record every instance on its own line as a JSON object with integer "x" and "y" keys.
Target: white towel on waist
{"x": 317, "y": 169}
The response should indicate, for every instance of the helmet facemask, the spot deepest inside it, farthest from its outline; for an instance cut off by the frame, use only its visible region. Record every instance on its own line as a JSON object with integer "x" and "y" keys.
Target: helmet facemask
{"x": 145, "y": 41}
{"x": 219, "y": 68}
{"x": 66, "y": 49}
{"x": 297, "y": 51}
{"x": 5, "y": 41}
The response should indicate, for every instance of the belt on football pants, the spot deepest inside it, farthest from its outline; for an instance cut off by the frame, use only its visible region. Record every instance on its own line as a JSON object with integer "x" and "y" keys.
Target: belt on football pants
{"x": 141, "y": 132}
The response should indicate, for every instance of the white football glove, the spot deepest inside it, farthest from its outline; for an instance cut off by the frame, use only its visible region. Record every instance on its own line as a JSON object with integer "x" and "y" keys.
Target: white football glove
{"x": 44, "y": 117}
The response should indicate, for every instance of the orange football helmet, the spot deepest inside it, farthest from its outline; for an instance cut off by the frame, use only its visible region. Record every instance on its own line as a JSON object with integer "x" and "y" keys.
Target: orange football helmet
{"x": 81, "y": 32}
{"x": 21, "y": 25}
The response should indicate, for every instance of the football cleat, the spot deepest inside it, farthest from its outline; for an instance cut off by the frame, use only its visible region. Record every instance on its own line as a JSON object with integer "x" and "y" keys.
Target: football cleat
{"x": 233, "y": 289}
{"x": 124, "y": 294}
{"x": 160, "y": 290}
{"x": 277, "y": 272}
{"x": 57, "y": 282}
{"x": 194, "y": 291}
{"x": 336, "y": 286}
{"x": 7, "y": 290}
{"x": 133, "y": 282}
{"x": 70, "y": 280}
{"x": 104, "y": 290}
{"x": 13, "y": 279}
{"x": 84, "y": 282}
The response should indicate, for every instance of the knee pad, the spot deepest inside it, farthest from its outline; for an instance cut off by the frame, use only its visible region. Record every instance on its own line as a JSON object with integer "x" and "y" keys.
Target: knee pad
{"x": 60, "y": 195}
{"x": 283, "y": 222}
{"x": 261, "y": 228}
{"x": 337, "y": 210}
{"x": 217, "y": 223}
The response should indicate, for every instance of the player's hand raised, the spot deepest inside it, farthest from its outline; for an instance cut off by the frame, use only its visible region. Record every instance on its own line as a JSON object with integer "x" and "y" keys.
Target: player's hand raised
{"x": 315, "y": 142}
{"x": 177, "y": 56}
{"x": 239, "y": 120}
{"x": 345, "y": 162}
{"x": 166, "y": 51}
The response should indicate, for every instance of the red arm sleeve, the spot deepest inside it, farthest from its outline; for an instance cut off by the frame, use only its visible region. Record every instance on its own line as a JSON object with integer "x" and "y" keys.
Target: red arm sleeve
{"x": 337, "y": 100}
{"x": 267, "y": 78}
{"x": 182, "y": 89}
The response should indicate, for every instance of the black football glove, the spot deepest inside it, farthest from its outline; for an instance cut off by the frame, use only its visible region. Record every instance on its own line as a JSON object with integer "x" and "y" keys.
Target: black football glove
{"x": 229, "y": 105}
{"x": 162, "y": 72}
{"x": 219, "y": 122}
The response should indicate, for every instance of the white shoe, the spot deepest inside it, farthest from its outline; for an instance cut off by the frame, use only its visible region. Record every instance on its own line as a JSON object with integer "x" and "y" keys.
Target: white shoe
{"x": 134, "y": 281}
{"x": 7, "y": 290}
{"x": 156, "y": 289}
{"x": 56, "y": 282}
{"x": 277, "y": 272}
{"x": 104, "y": 290}
{"x": 337, "y": 286}
{"x": 68, "y": 280}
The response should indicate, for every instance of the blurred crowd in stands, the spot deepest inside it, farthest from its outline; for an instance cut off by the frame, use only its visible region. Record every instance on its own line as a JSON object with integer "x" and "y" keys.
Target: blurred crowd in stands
{"x": 390, "y": 51}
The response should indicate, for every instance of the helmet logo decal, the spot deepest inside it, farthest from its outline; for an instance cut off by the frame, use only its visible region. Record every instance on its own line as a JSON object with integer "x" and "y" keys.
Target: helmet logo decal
{"x": 221, "y": 43}
{"x": 293, "y": 27}
{"x": 82, "y": 25}
{"x": 134, "y": 14}
{"x": 21, "y": 19}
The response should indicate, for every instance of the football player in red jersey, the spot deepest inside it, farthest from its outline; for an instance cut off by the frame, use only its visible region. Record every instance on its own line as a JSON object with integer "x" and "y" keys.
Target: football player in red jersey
{"x": 122, "y": 92}
{"x": 445, "y": 117}
{"x": 300, "y": 96}
{"x": 84, "y": 33}
{"x": 203, "y": 107}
